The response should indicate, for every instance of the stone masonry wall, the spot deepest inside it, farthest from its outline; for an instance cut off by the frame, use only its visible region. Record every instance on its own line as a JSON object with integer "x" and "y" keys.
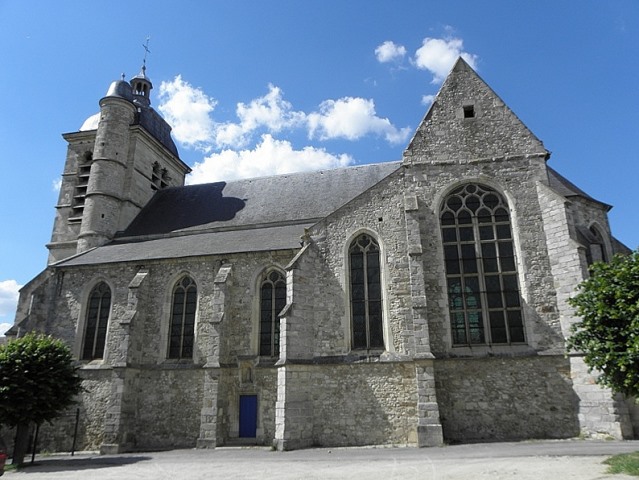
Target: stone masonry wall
{"x": 58, "y": 435}
{"x": 308, "y": 302}
{"x": 80, "y": 149}
{"x": 164, "y": 398}
{"x": 506, "y": 398}
{"x": 144, "y": 151}
{"x": 97, "y": 387}
{"x": 379, "y": 211}
{"x": 143, "y": 154}
{"x": 494, "y": 130}
{"x": 32, "y": 312}
{"x": 240, "y": 327}
{"x": 566, "y": 262}
{"x": 263, "y": 383}
{"x": 294, "y": 422}
{"x": 168, "y": 410}
{"x": 600, "y": 413}
{"x": 517, "y": 179}
{"x": 364, "y": 404}
{"x": 352, "y": 404}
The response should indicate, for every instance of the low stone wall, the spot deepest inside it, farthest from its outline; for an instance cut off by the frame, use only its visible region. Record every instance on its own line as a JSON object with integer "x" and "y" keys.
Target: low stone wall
{"x": 57, "y": 436}
{"x": 364, "y": 404}
{"x": 506, "y": 398}
{"x": 168, "y": 408}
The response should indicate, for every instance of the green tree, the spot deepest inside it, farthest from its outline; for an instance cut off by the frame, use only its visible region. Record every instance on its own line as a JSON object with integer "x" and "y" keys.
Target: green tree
{"x": 37, "y": 382}
{"x": 608, "y": 334}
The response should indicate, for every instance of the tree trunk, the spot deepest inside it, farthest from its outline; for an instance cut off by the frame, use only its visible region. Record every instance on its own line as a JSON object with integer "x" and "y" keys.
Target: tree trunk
{"x": 21, "y": 444}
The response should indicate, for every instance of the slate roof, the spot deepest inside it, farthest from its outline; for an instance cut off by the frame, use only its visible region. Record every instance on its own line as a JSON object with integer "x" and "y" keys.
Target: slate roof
{"x": 202, "y": 243}
{"x": 149, "y": 119}
{"x": 259, "y": 214}
{"x": 290, "y": 198}
{"x": 157, "y": 127}
{"x": 252, "y": 215}
{"x": 566, "y": 188}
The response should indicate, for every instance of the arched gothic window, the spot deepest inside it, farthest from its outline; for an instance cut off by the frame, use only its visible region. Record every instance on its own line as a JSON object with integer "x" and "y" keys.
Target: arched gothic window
{"x": 182, "y": 327}
{"x": 365, "y": 293}
{"x": 272, "y": 302}
{"x": 483, "y": 292}
{"x": 96, "y": 322}
{"x": 597, "y": 248}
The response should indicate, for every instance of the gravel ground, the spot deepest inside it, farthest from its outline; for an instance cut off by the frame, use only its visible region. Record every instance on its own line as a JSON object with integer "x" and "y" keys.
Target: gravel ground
{"x": 568, "y": 459}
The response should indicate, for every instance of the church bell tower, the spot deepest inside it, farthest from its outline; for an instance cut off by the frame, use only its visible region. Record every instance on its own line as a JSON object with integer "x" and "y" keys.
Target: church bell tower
{"x": 105, "y": 188}
{"x": 115, "y": 163}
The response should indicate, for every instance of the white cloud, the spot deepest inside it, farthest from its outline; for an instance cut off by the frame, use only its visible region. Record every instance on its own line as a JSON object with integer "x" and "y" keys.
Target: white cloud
{"x": 8, "y": 302}
{"x": 389, "y": 51}
{"x": 269, "y": 157}
{"x": 247, "y": 148}
{"x": 56, "y": 184}
{"x": 270, "y": 112}
{"x": 352, "y": 118}
{"x": 438, "y": 56}
{"x": 8, "y": 296}
{"x": 427, "y": 100}
{"x": 188, "y": 110}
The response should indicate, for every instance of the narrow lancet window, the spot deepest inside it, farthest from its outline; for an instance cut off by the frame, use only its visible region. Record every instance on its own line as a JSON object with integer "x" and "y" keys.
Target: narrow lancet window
{"x": 97, "y": 319}
{"x": 272, "y": 302}
{"x": 596, "y": 251}
{"x": 365, "y": 294}
{"x": 182, "y": 327}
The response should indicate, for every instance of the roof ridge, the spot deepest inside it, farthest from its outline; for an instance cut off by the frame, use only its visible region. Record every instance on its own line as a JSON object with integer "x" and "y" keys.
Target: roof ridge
{"x": 300, "y": 173}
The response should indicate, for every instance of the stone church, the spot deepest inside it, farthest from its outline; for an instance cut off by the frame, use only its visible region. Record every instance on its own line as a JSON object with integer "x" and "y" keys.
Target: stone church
{"x": 413, "y": 302}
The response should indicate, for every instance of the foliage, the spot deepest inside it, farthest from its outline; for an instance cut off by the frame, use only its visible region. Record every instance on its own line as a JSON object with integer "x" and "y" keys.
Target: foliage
{"x": 608, "y": 335}
{"x": 627, "y": 463}
{"x": 37, "y": 379}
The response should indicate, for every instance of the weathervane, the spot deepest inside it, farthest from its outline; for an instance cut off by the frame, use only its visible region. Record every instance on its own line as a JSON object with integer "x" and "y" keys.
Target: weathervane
{"x": 146, "y": 51}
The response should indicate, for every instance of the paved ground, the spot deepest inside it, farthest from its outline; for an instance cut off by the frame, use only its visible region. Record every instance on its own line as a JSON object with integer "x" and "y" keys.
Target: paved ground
{"x": 566, "y": 459}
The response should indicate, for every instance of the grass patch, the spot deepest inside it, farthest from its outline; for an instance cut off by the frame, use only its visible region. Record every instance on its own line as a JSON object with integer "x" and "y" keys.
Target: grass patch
{"x": 9, "y": 467}
{"x": 627, "y": 463}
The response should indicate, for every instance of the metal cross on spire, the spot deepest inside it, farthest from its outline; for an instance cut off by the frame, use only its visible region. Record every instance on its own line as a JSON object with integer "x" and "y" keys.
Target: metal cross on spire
{"x": 146, "y": 51}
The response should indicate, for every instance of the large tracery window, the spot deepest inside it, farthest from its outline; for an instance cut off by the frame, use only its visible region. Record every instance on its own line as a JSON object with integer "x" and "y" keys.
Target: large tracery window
{"x": 272, "y": 302}
{"x": 483, "y": 293}
{"x": 365, "y": 293}
{"x": 96, "y": 322}
{"x": 182, "y": 327}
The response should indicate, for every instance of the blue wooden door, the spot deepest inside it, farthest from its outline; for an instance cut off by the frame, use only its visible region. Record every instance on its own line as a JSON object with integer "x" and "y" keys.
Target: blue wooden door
{"x": 248, "y": 416}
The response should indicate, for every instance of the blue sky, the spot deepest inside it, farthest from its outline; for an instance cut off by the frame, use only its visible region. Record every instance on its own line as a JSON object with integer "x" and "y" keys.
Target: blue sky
{"x": 260, "y": 87}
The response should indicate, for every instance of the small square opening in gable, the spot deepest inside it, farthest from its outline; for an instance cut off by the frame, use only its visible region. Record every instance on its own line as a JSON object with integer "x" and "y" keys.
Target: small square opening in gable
{"x": 469, "y": 111}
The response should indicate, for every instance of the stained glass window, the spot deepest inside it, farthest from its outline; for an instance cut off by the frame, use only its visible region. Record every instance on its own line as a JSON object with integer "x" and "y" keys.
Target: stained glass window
{"x": 365, "y": 293}
{"x": 182, "y": 326}
{"x": 96, "y": 322}
{"x": 483, "y": 292}
{"x": 272, "y": 301}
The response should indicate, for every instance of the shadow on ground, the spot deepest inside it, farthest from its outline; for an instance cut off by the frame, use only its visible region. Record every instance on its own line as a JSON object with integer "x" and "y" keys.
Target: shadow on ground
{"x": 76, "y": 464}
